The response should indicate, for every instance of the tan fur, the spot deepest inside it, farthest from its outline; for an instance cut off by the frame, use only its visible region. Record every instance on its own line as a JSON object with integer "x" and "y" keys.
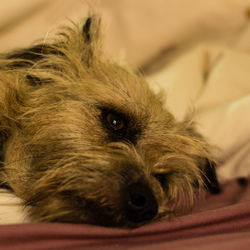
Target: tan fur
{"x": 60, "y": 158}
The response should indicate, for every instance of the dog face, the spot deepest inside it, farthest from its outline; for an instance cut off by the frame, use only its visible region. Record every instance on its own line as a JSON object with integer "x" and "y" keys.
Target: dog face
{"x": 86, "y": 141}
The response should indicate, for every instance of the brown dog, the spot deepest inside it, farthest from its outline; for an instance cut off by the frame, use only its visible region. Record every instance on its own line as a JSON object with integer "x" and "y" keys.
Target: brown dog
{"x": 85, "y": 140}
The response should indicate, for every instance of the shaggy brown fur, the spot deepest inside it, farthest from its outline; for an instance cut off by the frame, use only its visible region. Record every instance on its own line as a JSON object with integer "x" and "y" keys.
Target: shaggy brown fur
{"x": 84, "y": 140}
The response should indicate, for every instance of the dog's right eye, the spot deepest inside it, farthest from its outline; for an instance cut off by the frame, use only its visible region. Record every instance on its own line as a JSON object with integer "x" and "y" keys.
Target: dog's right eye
{"x": 119, "y": 126}
{"x": 115, "y": 122}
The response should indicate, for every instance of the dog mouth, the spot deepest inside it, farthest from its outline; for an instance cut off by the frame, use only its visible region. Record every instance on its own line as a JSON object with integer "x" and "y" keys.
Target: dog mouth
{"x": 136, "y": 207}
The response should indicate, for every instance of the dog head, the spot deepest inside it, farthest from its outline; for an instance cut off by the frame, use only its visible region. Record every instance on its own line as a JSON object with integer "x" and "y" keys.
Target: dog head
{"x": 85, "y": 140}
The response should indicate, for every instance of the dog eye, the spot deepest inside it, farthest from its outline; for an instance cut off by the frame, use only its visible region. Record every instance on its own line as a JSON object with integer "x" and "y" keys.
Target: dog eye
{"x": 115, "y": 121}
{"x": 119, "y": 126}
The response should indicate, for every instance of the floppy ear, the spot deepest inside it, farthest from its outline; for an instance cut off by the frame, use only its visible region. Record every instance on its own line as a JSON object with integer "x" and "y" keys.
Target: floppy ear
{"x": 210, "y": 178}
{"x": 207, "y": 164}
{"x": 88, "y": 36}
{"x": 28, "y": 56}
{"x": 72, "y": 43}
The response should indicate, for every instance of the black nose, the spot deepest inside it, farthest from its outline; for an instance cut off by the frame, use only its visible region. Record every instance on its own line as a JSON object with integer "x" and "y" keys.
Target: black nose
{"x": 140, "y": 203}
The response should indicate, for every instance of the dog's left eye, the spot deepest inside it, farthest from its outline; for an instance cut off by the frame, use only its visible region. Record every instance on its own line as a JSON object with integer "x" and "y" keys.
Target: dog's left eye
{"x": 115, "y": 122}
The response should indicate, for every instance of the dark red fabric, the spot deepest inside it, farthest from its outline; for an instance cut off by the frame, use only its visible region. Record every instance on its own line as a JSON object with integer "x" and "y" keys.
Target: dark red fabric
{"x": 218, "y": 222}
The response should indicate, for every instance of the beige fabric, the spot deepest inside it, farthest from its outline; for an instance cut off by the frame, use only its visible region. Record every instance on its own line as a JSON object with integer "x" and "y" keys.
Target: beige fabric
{"x": 214, "y": 82}
{"x": 137, "y": 29}
{"x": 11, "y": 210}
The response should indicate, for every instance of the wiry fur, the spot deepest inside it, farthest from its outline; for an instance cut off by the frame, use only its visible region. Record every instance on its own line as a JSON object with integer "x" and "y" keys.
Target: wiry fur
{"x": 59, "y": 154}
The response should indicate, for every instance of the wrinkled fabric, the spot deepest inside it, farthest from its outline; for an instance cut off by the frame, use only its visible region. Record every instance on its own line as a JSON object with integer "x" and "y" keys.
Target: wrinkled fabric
{"x": 218, "y": 222}
{"x": 213, "y": 83}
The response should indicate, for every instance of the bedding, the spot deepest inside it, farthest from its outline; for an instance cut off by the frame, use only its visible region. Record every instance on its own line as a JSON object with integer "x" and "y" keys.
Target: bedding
{"x": 218, "y": 222}
{"x": 213, "y": 83}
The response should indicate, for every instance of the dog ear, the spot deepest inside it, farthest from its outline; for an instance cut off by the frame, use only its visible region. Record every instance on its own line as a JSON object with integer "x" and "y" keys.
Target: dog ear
{"x": 26, "y": 58}
{"x": 210, "y": 177}
{"x": 84, "y": 42}
{"x": 91, "y": 29}
{"x": 207, "y": 165}
{"x": 92, "y": 40}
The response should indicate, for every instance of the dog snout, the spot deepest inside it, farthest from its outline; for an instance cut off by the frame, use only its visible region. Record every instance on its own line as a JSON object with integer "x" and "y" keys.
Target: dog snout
{"x": 141, "y": 204}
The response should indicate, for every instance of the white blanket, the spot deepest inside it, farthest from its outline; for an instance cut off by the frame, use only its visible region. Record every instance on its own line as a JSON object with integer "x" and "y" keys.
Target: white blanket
{"x": 214, "y": 82}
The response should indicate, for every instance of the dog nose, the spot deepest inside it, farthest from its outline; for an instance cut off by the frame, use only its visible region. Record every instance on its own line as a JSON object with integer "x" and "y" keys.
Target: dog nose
{"x": 141, "y": 204}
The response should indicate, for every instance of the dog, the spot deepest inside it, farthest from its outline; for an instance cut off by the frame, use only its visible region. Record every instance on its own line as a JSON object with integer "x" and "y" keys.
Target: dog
{"x": 85, "y": 140}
